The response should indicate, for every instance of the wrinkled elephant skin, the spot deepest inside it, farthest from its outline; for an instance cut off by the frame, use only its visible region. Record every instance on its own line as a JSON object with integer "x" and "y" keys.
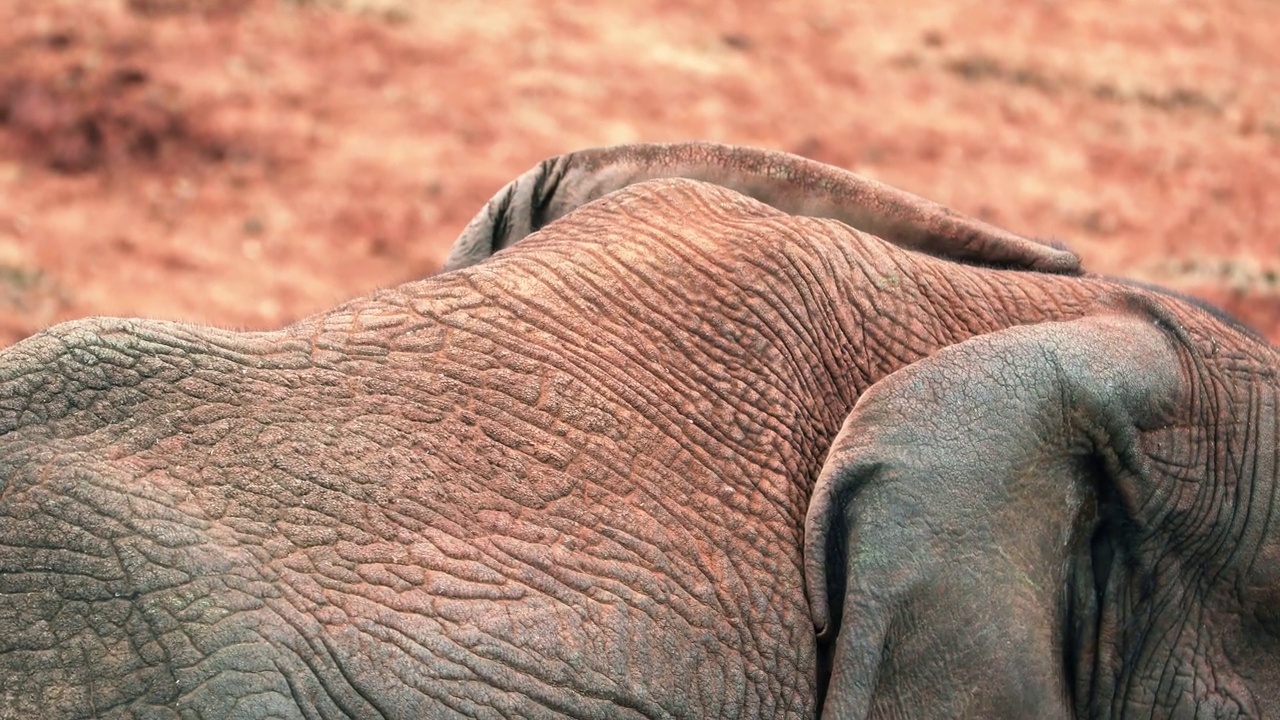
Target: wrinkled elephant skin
{"x": 575, "y": 479}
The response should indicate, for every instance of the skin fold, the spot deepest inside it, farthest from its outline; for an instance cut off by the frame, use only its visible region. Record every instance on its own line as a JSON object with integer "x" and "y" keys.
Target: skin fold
{"x": 590, "y": 477}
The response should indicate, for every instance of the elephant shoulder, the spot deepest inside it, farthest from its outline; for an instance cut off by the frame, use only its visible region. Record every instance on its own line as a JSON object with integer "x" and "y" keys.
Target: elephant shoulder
{"x": 48, "y": 376}
{"x": 79, "y": 376}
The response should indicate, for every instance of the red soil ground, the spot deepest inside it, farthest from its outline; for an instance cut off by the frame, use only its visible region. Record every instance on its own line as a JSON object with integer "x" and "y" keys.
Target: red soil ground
{"x": 248, "y": 162}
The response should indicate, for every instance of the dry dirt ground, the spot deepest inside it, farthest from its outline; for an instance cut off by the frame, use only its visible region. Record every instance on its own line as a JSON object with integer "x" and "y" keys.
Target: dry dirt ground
{"x": 248, "y": 162}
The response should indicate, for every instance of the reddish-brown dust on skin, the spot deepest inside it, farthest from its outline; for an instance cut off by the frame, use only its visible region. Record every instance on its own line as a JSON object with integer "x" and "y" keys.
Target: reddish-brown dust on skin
{"x": 248, "y": 162}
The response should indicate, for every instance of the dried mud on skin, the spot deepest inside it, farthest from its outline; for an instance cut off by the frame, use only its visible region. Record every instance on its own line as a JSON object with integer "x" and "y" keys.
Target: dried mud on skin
{"x": 247, "y": 162}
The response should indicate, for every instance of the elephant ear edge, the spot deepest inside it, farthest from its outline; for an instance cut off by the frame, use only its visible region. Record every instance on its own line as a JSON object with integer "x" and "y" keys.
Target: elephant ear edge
{"x": 942, "y": 441}
{"x": 790, "y": 183}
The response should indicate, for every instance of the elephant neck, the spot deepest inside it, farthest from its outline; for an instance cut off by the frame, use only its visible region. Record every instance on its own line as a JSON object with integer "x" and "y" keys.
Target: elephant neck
{"x": 736, "y": 334}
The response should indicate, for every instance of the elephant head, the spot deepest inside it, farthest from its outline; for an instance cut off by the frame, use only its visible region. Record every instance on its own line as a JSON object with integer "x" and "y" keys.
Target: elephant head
{"x": 594, "y": 474}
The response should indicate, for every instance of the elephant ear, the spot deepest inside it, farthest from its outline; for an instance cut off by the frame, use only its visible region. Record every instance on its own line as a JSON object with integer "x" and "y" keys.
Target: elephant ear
{"x": 941, "y": 535}
{"x": 787, "y": 182}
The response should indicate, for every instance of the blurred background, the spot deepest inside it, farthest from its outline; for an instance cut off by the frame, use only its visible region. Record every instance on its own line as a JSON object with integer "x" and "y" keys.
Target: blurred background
{"x": 248, "y": 162}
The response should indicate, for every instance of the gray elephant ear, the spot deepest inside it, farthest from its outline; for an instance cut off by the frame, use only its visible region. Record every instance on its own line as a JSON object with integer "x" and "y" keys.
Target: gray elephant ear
{"x": 787, "y": 182}
{"x": 950, "y": 510}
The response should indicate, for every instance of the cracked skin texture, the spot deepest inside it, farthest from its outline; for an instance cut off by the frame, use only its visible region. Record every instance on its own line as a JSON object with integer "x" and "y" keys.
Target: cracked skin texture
{"x": 571, "y": 480}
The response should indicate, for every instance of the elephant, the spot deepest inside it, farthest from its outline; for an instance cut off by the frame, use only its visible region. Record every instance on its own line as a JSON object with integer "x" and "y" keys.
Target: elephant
{"x": 787, "y": 182}
{"x": 682, "y": 431}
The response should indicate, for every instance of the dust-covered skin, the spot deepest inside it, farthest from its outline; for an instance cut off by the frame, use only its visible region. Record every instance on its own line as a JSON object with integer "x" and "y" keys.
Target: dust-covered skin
{"x": 570, "y": 480}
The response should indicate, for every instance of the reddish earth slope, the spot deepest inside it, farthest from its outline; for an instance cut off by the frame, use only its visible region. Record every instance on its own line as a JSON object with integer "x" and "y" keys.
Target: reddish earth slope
{"x": 247, "y": 162}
